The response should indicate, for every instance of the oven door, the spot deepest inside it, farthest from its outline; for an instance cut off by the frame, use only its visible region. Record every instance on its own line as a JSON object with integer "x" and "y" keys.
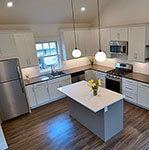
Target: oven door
{"x": 114, "y": 85}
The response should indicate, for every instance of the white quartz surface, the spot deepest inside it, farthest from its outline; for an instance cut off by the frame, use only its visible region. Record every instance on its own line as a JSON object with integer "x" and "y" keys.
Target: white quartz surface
{"x": 80, "y": 92}
{"x": 3, "y": 144}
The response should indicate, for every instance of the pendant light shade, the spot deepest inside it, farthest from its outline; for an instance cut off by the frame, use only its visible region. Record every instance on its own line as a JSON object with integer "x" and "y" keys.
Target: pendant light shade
{"x": 76, "y": 53}
{"x": 100, "y": 56}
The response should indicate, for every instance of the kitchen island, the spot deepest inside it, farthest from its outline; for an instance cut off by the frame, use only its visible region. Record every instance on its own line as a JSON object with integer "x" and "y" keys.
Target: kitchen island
{"x": 101, "y": 114}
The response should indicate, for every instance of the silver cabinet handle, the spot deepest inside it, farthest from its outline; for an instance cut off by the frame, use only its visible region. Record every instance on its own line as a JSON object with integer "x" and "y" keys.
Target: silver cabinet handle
{"x": 144, "y": 86}
{"x": 129, "y": 88}
{"x": 129, "y": 97}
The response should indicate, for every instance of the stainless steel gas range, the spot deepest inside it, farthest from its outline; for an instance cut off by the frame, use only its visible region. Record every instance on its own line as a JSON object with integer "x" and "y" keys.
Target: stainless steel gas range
{"x": 114, "y": 77}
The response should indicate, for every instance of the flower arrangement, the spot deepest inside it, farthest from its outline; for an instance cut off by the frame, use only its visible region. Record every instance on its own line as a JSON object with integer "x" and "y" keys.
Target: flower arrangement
{"x": 27, "y": 75}
{"x": 94, "y": 86}
{"x": 91, "y": 60}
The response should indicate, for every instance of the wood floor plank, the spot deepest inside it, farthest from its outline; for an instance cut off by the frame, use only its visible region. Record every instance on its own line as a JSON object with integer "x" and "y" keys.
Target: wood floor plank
{"x": 51, "y": 128}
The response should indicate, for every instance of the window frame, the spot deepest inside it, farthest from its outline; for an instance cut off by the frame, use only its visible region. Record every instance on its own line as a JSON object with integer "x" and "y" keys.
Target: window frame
{"x": 59, "y": 66}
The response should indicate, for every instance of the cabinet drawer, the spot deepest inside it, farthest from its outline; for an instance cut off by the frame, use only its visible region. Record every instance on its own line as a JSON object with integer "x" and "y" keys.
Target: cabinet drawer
{"x": 129, "y": 82}
{"x": 68, "y": 77}
{"x": 130, "y": 88}
{"x": 143, "y": 85}
{"x": 130, "y": 96}
{"x": 41, "y": 84}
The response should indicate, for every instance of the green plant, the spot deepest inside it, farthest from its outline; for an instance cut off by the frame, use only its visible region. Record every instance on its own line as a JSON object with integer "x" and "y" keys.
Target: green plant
{"x": 92, "y": 60}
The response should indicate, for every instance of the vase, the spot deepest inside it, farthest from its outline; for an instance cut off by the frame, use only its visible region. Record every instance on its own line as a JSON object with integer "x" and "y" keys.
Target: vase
{"x": 95, "y": 92}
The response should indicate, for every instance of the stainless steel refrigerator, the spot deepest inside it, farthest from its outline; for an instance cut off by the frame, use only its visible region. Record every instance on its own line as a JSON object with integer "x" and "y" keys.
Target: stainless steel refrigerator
{"x": 13, "y": 101}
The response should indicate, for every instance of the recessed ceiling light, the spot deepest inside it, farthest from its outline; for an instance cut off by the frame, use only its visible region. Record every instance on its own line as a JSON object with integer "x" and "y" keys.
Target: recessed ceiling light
{"x": 9, "y": 4}
{"x": 83, "y": 9}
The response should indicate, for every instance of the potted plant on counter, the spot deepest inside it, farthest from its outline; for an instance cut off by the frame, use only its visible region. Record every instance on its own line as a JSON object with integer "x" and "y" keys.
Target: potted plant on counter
{"x": 92, "y": 60}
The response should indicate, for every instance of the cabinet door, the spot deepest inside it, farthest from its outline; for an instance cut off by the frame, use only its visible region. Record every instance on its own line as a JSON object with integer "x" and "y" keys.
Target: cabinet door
{"x": 26, "y": 50}
{"x": 54, "y": 93}
{"x": 88, "y": 39}
{"x": 42, "y": 94}
{"x": 143, "y": 95}
{"x": 30, "y": 45}
{"x": 81, "y": 42}
{"x": 136, "y": 46}
{"x": 119, "y": 34}
{"x": 105, "y": 39}
{"x": 31, "y": 95}
{"x": 69, "y": 43}
{"x": 95, "y": 41}
{"x": 7, "y": 45}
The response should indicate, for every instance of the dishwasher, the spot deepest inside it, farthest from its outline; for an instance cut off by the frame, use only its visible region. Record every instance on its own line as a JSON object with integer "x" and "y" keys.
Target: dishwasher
{"x": 78, "y": 76}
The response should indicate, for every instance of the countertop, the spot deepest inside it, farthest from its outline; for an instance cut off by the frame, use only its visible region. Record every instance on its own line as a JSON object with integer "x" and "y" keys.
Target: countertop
{"x": 69, "y": 71}
{"x": 134, "y": 76}
{"x": 138, "y": 77}
{"x": 80, "y": 92}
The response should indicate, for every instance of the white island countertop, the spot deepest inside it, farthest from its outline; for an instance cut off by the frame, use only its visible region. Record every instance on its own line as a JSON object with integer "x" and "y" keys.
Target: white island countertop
{"x": 80, "y": 92}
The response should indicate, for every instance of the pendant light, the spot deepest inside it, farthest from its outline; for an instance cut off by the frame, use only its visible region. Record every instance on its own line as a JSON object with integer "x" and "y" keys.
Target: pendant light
{"x": 76, "y": 53}
{"x": 100, "y": 56}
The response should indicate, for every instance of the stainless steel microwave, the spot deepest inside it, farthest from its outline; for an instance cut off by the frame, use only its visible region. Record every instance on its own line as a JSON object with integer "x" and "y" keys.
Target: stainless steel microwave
{"x": 119, "y": 47}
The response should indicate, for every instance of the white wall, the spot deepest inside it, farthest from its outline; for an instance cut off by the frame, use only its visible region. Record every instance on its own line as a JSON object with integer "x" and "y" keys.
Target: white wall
{"x": 121, "y": 12}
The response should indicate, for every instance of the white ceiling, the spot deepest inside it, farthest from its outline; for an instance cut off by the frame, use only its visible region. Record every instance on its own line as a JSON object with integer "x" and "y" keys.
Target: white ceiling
{"x": 48, "y": 11}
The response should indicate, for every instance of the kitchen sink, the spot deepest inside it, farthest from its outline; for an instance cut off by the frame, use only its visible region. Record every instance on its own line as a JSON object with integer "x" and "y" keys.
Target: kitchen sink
{"x": 57, "y": 74}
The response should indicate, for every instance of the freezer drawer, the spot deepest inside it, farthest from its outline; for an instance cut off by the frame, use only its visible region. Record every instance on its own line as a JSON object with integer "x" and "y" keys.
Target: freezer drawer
{"x": 12, "y": 100}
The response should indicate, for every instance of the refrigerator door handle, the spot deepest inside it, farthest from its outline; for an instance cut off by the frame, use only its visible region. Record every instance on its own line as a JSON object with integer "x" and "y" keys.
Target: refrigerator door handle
{"x": 20, "y": 78}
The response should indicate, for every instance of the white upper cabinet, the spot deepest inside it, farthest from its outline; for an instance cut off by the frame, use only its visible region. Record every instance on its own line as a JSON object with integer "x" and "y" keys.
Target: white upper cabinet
{"x": 26, "y": 50}
{"x": 105, "y": 40}
{"x": 95, "y": 42}
{"x": 87, "y": 40}
{"x": 7, "y": 45}
{"x": 136, "y": 47}
{"x": 67, "y": 44}
{"x": 119, "y": 34}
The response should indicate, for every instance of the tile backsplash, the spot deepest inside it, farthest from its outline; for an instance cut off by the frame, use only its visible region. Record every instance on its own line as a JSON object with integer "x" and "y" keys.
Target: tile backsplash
{"x": 34, "y": 71}
{"x": 137, "y": 67}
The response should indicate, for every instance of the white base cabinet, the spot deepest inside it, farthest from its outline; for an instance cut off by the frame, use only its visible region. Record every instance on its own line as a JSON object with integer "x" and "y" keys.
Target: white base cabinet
{"x": 57, "y": 83}
{"x": 41, "y": 92}
{"x": 143, "y": 94}
{"x": 136, "y": 92}
{"x": 95, "y": 75}
{"x": 45, "y": 92}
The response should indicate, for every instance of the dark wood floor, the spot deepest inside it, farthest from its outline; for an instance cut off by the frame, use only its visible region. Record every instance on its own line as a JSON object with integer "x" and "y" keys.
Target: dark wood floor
{"x": 51, "y": 128}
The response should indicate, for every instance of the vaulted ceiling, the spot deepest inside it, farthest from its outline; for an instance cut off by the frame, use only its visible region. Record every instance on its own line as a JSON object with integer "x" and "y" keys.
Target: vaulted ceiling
{"x": 48, "y": 11}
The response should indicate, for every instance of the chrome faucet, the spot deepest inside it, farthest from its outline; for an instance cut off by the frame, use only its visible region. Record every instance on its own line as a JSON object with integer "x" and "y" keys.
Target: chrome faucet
{"x": 53, "y": 70}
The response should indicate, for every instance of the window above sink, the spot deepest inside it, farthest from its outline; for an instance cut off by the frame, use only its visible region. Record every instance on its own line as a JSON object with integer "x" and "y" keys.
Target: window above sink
{"x": 48, "y": 54}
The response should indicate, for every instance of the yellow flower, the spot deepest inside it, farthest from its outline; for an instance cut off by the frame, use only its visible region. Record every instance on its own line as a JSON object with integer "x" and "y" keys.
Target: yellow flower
{"x": 91, "y": 90}
{"x": 94, "y": 84}
{"x": 92, "y": 81}
{"x": 89, "y": 85}
{"x": 89, "y": 81}
{"x": 99, "y": 82}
